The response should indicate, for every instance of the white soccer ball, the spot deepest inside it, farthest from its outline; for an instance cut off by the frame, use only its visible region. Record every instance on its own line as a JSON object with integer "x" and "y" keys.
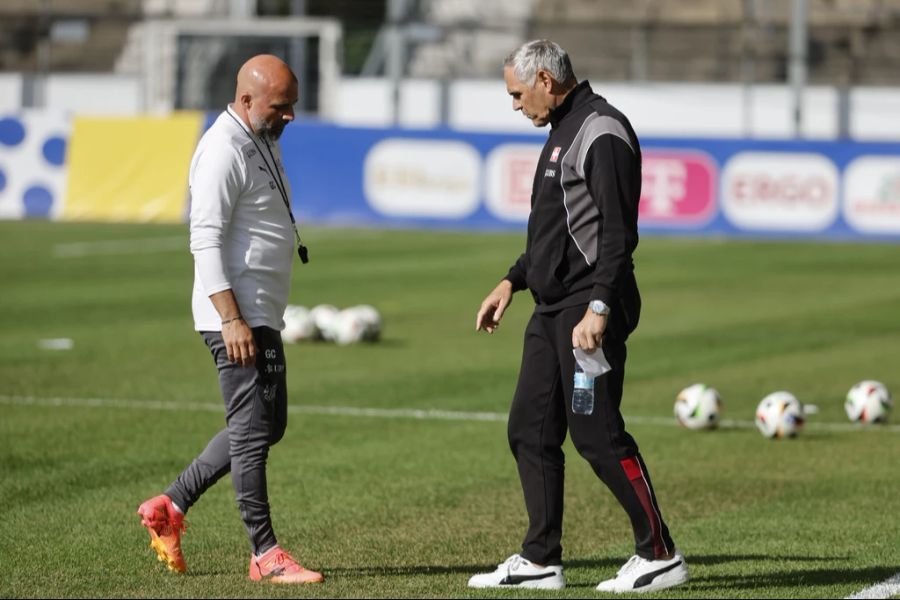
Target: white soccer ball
{"x": 868, "y": 402}
{"x": 372, "y": 319}
{"x": 698, "y": 406}
{"x": 348, "y": 327}
{"x": 298, "y": 324}
{"x": 325, "y": 317}
{"x": 779, "y": 415}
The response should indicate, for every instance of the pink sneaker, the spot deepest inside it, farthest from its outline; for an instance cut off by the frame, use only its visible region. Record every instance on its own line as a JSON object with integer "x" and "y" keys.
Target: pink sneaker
{"x": 277, "y": 566}
{"x": 165, "y": 525}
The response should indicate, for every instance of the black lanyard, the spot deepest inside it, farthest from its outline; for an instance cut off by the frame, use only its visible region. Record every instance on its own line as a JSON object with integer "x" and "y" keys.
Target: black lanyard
{"x": 273, "y": 171}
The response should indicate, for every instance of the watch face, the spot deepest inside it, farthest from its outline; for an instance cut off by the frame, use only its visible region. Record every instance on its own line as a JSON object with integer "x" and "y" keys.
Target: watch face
{"x": 598, "y": 307}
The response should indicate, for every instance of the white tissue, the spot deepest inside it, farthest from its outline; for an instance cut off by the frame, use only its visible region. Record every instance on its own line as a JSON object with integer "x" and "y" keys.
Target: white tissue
{"x": 594, "y": 364}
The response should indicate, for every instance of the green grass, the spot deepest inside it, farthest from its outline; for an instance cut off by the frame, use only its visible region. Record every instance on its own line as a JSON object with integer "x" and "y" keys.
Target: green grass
{"x": 397, "y": 507}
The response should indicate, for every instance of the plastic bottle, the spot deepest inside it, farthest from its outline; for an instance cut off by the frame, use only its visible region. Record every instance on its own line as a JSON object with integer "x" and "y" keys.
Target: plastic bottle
{"x": 583, "y": 394}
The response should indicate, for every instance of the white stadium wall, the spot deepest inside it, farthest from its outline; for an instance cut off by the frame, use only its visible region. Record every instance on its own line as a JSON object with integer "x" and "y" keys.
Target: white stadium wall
{"x": 94, "y": 94}
{"x": 655, "y": 109}
{"x": 10, "y": 91}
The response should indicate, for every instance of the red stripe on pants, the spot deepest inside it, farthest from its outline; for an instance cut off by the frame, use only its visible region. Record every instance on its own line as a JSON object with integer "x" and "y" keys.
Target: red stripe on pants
{"x": 635, "y": 475}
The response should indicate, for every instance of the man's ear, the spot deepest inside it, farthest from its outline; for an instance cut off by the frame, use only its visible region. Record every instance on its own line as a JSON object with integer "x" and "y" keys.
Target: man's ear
{"x": 246, "y": 100}
{"x": 544, "y": 79}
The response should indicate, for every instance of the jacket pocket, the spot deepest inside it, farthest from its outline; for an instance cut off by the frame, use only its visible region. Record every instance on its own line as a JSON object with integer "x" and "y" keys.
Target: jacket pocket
{"x": 548, "y": 269}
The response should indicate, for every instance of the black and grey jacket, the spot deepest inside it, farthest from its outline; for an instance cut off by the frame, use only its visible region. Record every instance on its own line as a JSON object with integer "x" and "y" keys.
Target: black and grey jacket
{"x": 582, "y": 230}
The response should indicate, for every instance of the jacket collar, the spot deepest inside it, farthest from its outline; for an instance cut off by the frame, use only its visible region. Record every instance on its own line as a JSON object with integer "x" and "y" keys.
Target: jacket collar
{"x": 238, "y": 121}
{"x": 574, "y": 99}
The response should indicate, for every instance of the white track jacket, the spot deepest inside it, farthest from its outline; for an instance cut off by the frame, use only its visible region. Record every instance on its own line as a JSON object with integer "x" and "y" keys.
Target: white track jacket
{"x": 241, "y": 233}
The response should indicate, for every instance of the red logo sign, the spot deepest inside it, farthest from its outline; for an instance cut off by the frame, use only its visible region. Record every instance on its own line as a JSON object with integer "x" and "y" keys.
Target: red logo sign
{"x": 509, "y": 178}
{"x": 780, "y": 191}
{"x": 677, "y": 188}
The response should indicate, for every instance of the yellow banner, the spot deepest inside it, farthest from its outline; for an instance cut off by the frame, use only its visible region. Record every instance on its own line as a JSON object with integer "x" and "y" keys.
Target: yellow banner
{"x": 131, "y": 169}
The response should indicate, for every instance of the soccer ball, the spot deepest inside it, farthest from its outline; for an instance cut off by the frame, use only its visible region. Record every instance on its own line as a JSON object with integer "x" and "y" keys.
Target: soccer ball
{"x": 298, "y": 324}
{"x": 357, "y": 324}
{"x": 779, "y": 415}
{"x": 348, "y": 327}
{"x": 868, "y": 402}
{"x": 372, "y": 319}
{"x": 698, "y": 407}
{"x": 324, "y": 316}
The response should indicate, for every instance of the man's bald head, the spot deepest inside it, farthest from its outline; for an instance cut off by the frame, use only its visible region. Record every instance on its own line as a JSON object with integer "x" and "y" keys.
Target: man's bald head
{"x": 261, "y": 73}
{"x": 265, "y": 95}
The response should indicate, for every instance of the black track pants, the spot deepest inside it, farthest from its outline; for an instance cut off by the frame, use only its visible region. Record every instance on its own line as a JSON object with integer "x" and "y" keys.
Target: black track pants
{"x": 540, "y": 415}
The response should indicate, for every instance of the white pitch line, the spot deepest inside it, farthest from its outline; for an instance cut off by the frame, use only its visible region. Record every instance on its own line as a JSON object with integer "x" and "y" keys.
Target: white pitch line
{"x": 386, "y": 413}
{"x": 886, "y": 589}
{"x": 346, "y": 411}
{"x": 173, "y": 243}
{"x": 133, "y": 246}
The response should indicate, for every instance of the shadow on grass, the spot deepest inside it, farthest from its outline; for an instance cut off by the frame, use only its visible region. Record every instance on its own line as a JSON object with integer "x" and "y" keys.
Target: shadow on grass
{"x": 863, "y": 577}
{"x": 403, "y": 571}
{"x": 765, "y": 579}
{"x": 706, "y": 583}
{"x": 782, "y": 577}
{"x": 714, "y": 559}
{"x": 400, "y": 571}
{"x": 603, "y": 563}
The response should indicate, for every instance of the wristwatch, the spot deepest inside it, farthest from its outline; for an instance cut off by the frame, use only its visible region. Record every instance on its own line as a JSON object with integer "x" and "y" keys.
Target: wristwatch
{"x": 598, "y": 307}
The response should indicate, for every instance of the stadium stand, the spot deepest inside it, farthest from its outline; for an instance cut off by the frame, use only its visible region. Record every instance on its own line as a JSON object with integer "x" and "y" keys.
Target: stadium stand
{"x": 64, "y": 35}
{"x": 851, "y": 42}
{"x": 476, "y": 36}
{"x": 84, "y": 35}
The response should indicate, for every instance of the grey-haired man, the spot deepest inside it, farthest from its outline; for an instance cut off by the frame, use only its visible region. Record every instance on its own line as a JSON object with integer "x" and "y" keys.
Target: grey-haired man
{"x": 582, "y": 232}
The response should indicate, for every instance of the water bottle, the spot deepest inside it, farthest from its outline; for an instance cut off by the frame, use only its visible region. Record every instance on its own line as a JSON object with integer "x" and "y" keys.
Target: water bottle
{"x": 583, "y": 394}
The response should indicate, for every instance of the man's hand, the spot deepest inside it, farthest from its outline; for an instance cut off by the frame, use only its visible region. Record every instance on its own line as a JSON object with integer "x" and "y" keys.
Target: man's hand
{"x": 493, "y": 306}
{"x": 239, "y": 343}
{"x": 588, "y": 334}
{"x": 236, "y": 334}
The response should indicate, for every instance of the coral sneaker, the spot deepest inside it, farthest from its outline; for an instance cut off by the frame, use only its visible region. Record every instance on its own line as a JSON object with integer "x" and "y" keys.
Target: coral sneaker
{"x": 165, "y": 525}
{"x": 277, "y": 566}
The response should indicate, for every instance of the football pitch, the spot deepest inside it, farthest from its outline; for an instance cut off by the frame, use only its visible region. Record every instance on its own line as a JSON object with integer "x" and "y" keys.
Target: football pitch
{"x": 394, "y": 477}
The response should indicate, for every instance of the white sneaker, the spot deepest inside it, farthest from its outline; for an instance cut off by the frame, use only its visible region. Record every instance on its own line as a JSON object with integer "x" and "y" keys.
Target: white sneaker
{"x": 518, "y": 572}
{"x": 642, "y": 575}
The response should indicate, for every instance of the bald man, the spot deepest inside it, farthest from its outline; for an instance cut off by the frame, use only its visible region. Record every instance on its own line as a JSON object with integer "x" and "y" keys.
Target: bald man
{"x": 242, "y": 240}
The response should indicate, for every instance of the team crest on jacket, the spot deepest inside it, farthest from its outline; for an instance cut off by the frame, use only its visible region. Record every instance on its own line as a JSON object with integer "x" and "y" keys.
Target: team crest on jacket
{"x": 555, "y": 154}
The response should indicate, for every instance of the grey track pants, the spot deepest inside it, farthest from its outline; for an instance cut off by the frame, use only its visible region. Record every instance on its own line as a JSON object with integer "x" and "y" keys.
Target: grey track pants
{"x": 256, "y": 417}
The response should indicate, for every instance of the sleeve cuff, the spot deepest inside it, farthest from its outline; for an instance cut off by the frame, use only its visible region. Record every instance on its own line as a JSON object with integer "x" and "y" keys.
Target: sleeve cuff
{"x": 517, "y": 281}
{"x": 602, "y": 292}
